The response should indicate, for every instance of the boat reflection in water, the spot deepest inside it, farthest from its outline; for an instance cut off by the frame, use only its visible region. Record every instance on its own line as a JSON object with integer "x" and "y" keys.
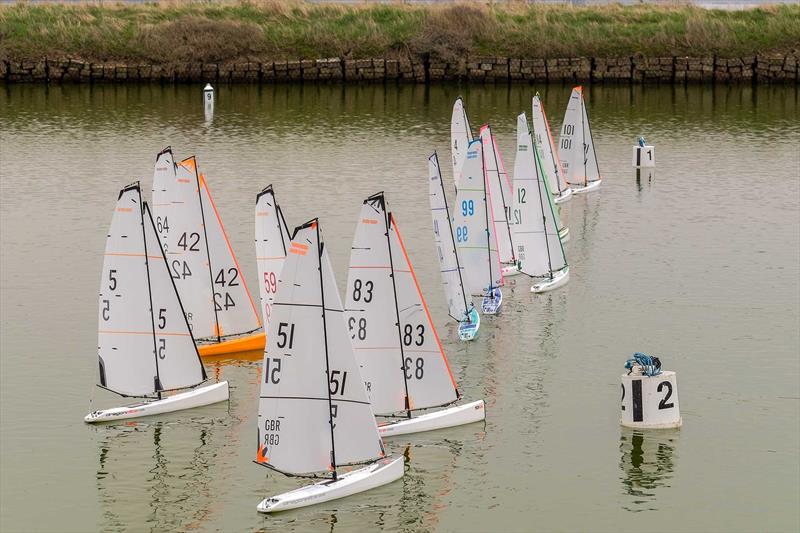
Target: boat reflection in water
{"x": 647, "y": 462}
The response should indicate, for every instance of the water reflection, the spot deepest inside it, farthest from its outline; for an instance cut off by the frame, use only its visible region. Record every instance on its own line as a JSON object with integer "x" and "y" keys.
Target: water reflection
{"x": 647, "y": 462}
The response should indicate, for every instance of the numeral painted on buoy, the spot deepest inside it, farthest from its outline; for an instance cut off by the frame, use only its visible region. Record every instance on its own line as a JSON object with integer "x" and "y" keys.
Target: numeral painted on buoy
{"x": 636, "y": 394}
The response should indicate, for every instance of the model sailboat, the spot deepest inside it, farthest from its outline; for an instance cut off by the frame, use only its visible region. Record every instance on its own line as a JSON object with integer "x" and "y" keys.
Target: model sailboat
{"x": 460, "y": 137}
{"x": 576, "y": 147}
{"x": 498, "y": 186}
{"x": 272, "y": 240}
{"x": 561, "y": 191}
{"x": 395, "y": 341}
{"x": 476, "y": 238}
{"x": 460, "y": 306}
{"x": 222, "y": 315}
{"x": 314, "y": 415}
{"x": 145, "y": 347}
{"x": 536, "y": 233}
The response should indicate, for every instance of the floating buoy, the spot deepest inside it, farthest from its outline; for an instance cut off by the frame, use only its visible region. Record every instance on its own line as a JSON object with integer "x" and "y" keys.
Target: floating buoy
{"x": 644, "y": 155}
{"x": 649, "y": 395}
{"x": 208, "y": 101}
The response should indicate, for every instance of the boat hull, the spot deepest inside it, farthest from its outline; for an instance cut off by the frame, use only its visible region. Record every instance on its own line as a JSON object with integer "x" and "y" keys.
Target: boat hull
{"x": 589, "y": 187}
{"x": 564, "y": 196}
{"x": 379, "y": 473}
{"x": 218, "y": 392}
{"x": 510, "y": 270}
{"x": 468, "y": 330}
{"x": 492, "y": 305}
{"x": 249, "y": 343}
{"x": 446, "y": 418}
{"x": 559, "y": 280}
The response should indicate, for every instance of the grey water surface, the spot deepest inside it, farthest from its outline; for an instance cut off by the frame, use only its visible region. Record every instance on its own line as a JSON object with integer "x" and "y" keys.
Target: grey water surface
{"x": 696, "y": 262}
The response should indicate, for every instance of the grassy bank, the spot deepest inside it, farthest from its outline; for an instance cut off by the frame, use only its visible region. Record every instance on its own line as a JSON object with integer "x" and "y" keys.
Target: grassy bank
{"x": 179, "y": 32}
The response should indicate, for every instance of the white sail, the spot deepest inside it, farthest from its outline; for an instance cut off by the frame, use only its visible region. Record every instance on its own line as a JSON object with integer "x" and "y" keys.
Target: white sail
{"x": 163, "y": 177}
{"x": 125, "y": 325}
{"x": 570, "y": 143}
{"x": 547, "y": 148}
{"x": 590, "y": 159}
{"x": 445, "y": 244}
{"x": 272, "y": 238}
{"x": 460, "y": 137}
{"x": 178, "y": 362}
{"x": 144, "y": 344}
{"x": 536, "y": 233}
{"x": 429, "y": 381}
{"x": 371, "y": 312}
{"x": 235, "y": 309}
{"x": 179, "y": 222}
{"x": 475, "y": 243}
{"x": 314, "y": 413}
{"x": 575, "y": 145}
{"x": 201, "y": 260}
{"x": 499, "y": 191}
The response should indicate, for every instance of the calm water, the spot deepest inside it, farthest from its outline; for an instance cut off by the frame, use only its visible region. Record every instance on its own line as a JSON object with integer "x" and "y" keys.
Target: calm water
{"x": 696, "y": 263}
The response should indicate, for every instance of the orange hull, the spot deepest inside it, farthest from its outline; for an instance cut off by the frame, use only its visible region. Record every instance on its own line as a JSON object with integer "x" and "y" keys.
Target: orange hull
{"x": 250, "y": 343}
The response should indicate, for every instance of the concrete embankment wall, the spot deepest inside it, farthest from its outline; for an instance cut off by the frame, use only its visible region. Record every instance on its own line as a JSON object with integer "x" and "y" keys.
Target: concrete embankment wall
{"x": 760, "y": 69}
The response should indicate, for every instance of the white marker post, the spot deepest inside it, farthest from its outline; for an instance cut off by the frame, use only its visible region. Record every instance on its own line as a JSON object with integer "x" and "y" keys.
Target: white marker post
{"x": 650, "y": 402}
{"x": 644, "y": 156}
{"x": 208, "y": 102}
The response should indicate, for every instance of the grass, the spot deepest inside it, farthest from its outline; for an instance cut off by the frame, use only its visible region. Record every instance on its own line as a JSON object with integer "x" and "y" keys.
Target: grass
{"x": 183, "y": 32}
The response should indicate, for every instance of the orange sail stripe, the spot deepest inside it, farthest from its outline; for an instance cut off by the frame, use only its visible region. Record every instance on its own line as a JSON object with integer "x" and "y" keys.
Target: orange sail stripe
{"x": 368, "y": 221}
{"x": 299, "y": 245}
{"x": 230, "y": 248}
{"x": 424, "y": 305}
{"x": 125, "y": 209}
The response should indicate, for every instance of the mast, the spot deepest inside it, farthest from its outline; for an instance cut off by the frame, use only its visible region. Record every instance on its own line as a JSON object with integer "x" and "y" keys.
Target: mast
{"x": 583, "y": 142}
{"x": 157, "y": 384}
{"x": 452, "y": 237}
{"x": 208, "y": 253}
{"x": 387, "y": 221}
{"x": 325, "y": 334}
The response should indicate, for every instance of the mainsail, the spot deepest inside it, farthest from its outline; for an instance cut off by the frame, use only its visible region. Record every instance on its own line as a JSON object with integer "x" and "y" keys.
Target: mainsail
{"x": 446, "y": 244}
{"x": 475, "y": 241}
{"x": 460, "y": 137}
{"x": 547, "y": 147}
{"x": 200, "y": 257}
{"x": 272, "y": 239}
{"x": 144, "y": 342}
{"x": 575, "y": 145}
{"x": 535, "y": 230}
{"x": 396, "y": 344}
{"x": 314, "y": 413}
{"x": 499, "y": 190}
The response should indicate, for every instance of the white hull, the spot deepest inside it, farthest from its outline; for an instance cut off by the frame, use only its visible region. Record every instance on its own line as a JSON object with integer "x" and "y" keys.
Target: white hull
{"x": 467, "y": 331}
{"x": 510, "y": 270}
{"x": 559, "y": 280}
{"x": 198, "y": 397}
{"x": 376, "y": 474}
{"x": 565, "y": 195}
{"x": 564, "y": 234}
{"x": 446, "y": 418}
{"x": 592, "y": 185}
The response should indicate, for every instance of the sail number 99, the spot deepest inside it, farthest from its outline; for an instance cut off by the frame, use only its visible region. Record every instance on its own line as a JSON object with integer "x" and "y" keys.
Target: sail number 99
{"x": 467, "y": 208}
{"x": 461, "y": 234}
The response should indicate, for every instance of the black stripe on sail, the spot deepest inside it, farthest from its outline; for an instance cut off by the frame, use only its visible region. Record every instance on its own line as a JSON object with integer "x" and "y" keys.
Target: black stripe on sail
{"x": 312, "y": 398}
